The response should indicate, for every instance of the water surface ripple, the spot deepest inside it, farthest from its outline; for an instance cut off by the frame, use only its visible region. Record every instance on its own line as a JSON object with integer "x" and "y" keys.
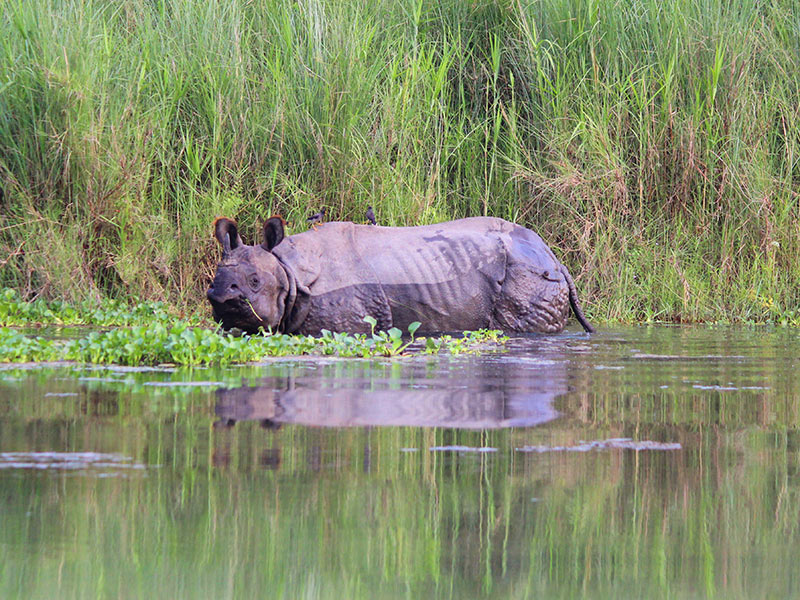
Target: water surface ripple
{"x": 636, "y": 462}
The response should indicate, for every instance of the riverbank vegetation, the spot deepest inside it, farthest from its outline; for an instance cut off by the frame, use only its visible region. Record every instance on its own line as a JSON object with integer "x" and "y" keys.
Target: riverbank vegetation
{"x": 149, "y": 334}
{"x": 16, "y": 312}
{"x": 184, "y": 345}
{"x": 654, "y": 145}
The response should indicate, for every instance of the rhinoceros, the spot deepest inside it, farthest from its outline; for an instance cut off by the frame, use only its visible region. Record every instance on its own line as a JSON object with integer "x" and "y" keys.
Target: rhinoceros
{"x": 468, "y": 274}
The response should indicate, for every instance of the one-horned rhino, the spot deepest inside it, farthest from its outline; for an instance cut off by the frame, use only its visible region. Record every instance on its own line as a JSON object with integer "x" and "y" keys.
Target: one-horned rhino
{"x": 467, "y": 274}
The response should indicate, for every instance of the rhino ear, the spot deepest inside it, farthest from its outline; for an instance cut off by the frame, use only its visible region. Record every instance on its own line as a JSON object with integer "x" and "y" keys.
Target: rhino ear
{"x": 273, "y": 233}
{"x": 227, "y": 234}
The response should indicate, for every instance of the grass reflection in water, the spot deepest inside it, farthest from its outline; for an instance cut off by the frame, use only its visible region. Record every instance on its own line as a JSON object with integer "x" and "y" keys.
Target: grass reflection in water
{"x": 307, "y": 511}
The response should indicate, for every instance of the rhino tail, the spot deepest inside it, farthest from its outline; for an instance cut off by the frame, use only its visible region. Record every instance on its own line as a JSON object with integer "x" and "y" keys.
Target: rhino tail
{"x": 573, "y": 300}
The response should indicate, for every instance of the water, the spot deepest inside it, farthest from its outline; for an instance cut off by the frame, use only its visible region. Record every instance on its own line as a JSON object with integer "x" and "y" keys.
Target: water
{"x": 641, "y": 462}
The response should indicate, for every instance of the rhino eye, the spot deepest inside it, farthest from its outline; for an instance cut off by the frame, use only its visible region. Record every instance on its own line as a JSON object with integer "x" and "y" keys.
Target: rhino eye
{"x": 252, "y": 281}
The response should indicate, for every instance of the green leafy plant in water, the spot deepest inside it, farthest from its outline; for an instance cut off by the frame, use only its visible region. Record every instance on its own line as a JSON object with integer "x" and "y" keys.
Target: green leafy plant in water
{"x": 390, "y": 342}
{"x": 180, "y": 342}
{"x": 470, "y": 342}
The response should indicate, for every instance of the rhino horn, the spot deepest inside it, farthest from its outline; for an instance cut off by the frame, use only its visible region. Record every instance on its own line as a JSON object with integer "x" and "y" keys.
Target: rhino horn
{"x": 227, "y": 234}
{"x": 273, "y": 233}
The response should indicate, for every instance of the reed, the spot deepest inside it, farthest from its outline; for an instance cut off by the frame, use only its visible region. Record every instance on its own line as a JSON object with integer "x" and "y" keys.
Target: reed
{"x": 653, "y": 144}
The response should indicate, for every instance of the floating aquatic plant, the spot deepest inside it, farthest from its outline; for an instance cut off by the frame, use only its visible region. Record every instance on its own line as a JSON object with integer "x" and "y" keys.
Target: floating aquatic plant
{"x": 181, "y": 343}
{"x": 148, "y": 334}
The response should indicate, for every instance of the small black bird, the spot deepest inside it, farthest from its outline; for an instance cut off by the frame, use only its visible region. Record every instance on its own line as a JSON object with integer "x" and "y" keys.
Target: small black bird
{"x": 313, "y": 220}
{"x": 371, "y": 216}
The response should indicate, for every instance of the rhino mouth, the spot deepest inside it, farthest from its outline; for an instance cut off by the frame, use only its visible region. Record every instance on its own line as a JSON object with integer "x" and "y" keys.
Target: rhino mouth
{"x": 237, "y": 313}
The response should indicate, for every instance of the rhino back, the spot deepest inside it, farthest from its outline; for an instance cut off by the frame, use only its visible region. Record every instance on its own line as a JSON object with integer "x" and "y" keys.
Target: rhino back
{"x": 446, "y": 276}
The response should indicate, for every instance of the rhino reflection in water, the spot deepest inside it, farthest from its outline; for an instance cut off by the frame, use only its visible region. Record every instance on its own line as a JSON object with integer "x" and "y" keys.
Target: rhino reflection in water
{"x": 456, "y": 401}
{"x": 466, "y": 274}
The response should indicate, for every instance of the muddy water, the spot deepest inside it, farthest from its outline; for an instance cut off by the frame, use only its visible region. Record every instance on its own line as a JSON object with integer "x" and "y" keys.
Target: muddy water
{"x": 639, "y": 462}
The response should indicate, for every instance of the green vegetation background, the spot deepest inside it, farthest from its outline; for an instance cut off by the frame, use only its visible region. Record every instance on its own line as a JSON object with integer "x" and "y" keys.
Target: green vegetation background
{"x": 653, "y": 144}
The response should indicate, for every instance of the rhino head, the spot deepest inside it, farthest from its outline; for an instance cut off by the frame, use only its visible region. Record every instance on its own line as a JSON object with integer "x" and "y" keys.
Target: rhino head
{"x": 250, "y": 287}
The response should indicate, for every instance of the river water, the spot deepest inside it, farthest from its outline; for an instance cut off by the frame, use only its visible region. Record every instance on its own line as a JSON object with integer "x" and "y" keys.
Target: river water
{"x": 657, "y": 462}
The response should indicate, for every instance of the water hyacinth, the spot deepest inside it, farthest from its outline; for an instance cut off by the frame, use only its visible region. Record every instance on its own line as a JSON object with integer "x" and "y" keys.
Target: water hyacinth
{"x": 148, "y": 333}
{"x": 181, "y": 343}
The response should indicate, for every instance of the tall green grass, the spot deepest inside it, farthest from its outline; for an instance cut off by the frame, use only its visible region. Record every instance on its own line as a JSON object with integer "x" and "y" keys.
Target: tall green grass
{"x": 653, "y": 144}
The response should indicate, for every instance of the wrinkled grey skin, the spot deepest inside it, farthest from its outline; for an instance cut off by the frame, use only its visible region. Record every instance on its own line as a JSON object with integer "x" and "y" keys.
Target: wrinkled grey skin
{"x": 461, "y": 275}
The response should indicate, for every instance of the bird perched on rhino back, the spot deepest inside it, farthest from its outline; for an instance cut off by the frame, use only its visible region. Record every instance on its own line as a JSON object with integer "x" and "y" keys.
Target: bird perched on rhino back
{"x": 316, "y": 218}
{"x": 371, "y": 216}
{"x": 474, "y": 273}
